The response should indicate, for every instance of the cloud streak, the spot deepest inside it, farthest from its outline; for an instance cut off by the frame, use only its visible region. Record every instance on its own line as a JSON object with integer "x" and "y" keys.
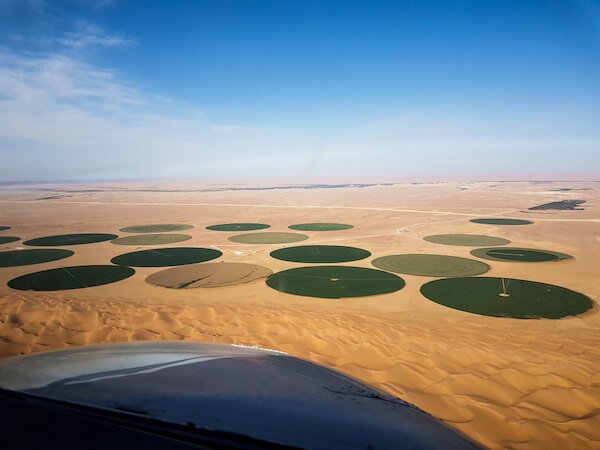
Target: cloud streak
{"x": 64, "y": 118}
{"x": 89, "y": 35}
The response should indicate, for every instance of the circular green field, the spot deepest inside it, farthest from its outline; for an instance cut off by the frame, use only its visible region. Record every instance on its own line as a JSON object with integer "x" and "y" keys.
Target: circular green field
{"x": 4, "y": 228}
{"x": 514, "y": 254}
{"x": 466, "y": 240}
{"x": 151, "y": 239}
{"x": 335, "y": 281}
{"x": 65, "y": 278}
{"x": 156, "y": 228}
{"x": 321, "y": 226}
{"x": 320, "y": 254}
{"x": 431, "y": 265}
{"x": 238, "y": 227}
{"x": 70, "y": 239}
{"x": 523, "y": 299}
{"x": 8, "y": 239}
{"x": 16, "y": 258}
{"x": 162, "y": 257}
{"x": 502, "y": 221}
{"x": 268, "y": 238}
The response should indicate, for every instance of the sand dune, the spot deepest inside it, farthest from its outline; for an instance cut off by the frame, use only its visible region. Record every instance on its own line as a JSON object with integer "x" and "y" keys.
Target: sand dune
{"x": 507, "y": 383}
{"x": 492, "y": 384}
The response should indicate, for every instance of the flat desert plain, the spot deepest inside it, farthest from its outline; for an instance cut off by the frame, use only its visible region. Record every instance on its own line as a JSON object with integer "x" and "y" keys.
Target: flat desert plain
{"x": 507, "y": 383}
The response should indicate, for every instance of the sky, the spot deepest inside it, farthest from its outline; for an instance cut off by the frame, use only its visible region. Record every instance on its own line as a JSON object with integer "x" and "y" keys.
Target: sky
{"x": 239, "y": 91}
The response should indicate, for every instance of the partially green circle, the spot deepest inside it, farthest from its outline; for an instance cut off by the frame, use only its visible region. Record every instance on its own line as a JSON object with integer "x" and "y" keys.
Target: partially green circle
{"x": 8, "y": 239}
{"x": 321, "y": 226}
{"x": 426, "y": 265}
{"x": 238, "y": 227}
{"x": 524, "y": 299}
{"x": 15, "y": 258}
{"x": 466, "y": 240}
{"x": 70, "y": 239}
{"x": 320, "y": 254}
{"x": 76, "y": 277}
{"x": 163, "y": 257}
{"x": 335, "y": 281}
{"x": 515, "y": 254}
{"x": 501, "y": 221}
{"x": 4, "y": 228}
{"x": 268, "y": 238}
{"x": 151, "y": 239}
{"x": 156, "y": 228}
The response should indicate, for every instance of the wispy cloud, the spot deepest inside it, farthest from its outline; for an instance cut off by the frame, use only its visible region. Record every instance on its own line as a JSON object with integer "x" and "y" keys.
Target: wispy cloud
{"x": 87, "y": 35}
{"x": 82, "y": 36}
{"x": 58, "y": 79}
{"x": 65, "y": 118}
{"x": 99, "y": 4}
{"x": 52, "y": 26}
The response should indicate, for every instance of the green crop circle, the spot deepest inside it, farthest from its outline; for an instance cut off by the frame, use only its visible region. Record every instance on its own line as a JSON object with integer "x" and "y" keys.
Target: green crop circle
{"x": 320, "y": 254}
{"x": 321, "y": 226}
{"x": 163, "y": 257}
{"x": 238, "y": 227}
{"x": 426, "y": 265}
{"x": 335, "y": 281}
{"x": 8, "y": 239}
{"x": 15, "y": 258}
{"x": 65, "y": 278}
{"x": 498, "y": 297}
{"x": 501, "y": 221}
{"x": 151, "y": 239}
{"x": 70, "y": 239}
{"x": 515, "y": 254}
{"x": 156, "y": 228}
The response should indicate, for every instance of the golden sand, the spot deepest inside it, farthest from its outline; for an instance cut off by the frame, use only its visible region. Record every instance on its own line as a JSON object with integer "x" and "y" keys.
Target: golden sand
{"x": 507, "y": 383}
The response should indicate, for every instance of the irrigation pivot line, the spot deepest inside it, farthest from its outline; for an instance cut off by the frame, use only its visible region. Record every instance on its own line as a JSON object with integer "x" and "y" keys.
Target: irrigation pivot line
{"x": 504, "y": 288}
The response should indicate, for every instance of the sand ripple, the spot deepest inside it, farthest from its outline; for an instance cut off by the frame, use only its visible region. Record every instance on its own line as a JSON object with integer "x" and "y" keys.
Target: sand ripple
{"x": 503, "y": 391}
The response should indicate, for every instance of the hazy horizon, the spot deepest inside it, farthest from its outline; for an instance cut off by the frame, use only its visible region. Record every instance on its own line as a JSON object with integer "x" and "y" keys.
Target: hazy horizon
{"x": 247, "y": 91}
{"x": 500, "y": 178}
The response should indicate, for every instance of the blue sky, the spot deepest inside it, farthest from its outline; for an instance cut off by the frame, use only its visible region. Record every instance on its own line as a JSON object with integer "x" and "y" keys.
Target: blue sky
{"x": 299, "y": 90}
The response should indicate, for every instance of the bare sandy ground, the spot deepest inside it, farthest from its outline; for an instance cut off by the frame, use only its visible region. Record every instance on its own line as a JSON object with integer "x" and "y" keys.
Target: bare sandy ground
{"x": 507, "y": 383}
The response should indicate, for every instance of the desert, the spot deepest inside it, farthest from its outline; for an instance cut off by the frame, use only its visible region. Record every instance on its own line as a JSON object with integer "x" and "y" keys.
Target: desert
{"x": 505, "y": 382}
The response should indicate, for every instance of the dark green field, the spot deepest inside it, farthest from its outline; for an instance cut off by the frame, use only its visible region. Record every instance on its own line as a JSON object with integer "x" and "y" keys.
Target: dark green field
{"x": 502, "y": 221}
{"x": 431, "y": 265}
{"x": 238, "y": 227}
{"x": 321, "y": 226}
{"x": 151, "y": 239}
{"x": 4, "y": 228}
{"x": 16, "y": 258}
{"x": 156, "y": 228}
{"x": 65, "y": 278}
{"x": 320, "y": 254}
{"x": 335, "y": 281}
{"x": 561, "y": 205}
{"x": 162, "y": 257}
{"x": 514, "y": 254}
{"x": 466, "y": 240}
{"x": 525, "y": 300}
{"x": 8, "y": 239}
{"x": 70, "y": 239}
